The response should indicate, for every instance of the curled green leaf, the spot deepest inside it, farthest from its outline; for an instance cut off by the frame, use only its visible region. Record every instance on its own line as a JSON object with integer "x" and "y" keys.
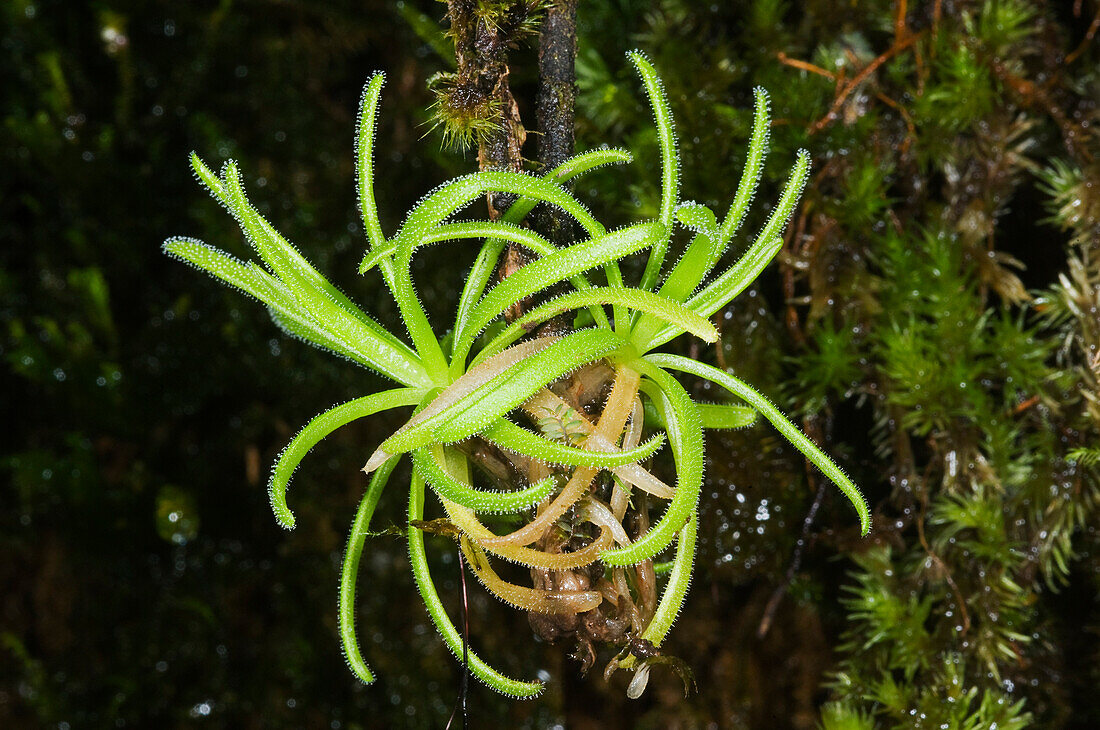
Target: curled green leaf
{"x": 799, "y": 440}
{"x": 548, "y": 270}
{"x": 426, "y": 461}
{"x": 670, "y": 162}
{"x": 438, "y": 613}
{"x": 685, "y": 437}
{"x": 320, "y": 427}
{"x": 661, "y": 308}
{"x": 349, "y": 571}
{"x": 508, "y": 435}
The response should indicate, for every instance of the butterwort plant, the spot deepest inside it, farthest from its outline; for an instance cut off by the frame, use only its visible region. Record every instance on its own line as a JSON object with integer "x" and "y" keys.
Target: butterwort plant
{"x": 495, "y": 378}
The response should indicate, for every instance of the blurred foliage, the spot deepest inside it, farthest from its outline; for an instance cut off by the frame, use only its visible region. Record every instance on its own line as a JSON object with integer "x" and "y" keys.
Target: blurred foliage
{"x": 933, "y": 319}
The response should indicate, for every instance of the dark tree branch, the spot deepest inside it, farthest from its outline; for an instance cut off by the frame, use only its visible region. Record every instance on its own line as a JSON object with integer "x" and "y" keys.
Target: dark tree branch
{"x": 555, "y": 105}
{"x": 555, "y": 108}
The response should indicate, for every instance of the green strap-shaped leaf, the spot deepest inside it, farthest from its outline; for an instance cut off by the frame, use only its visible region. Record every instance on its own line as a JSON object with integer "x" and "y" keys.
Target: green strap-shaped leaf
{"x": 750, "y": 174}
{"x": 733, "y": 281}
{"x": 685, "y": 437}
{"x": 566, "y": 171}
{"x": 320, "y": 307}
{"x": 349, "y": 572}
{"x": 670, "y": 163}
{"x": 692, "y": 267}
{"x": 430, "y": 212}
{"x": 400, "y": 365}
{"x": 672, "y": 600}
{"x": 321, "y": 426}
{"x": 659, "y": 307}
{"x": 469, "y": 382}
{"x": 508, "y": 435}
{"x": 426, "y": 461}
{"x": 477, "y": 410}
{"x": 364, "y": 171}
{"x": 472, "y": 229}
{"x": 518, "y": 211}
{"x": 697, "y": 217}
{"x": 486, "y": 262}
{"x": 307, "y": 284}
{"x": 208, "y": 179}
{"x": 699, "y": 257}
{"x": 355, "y": 335}
{"x": 545, "y": 272}
{"x": 251, "y": 279}
{"x": 707, "y": 247}
{"x": 221, "y": 265}
{"x": 303, "y": 327}
{"x": 460, "y": 192}
{"x": 515, "y": 214}
{"x": 364, "y": 159}
{"x": 725, "y": 416}
{"x": 485, "y": 265}
{"x": 799, "y": 440}
{"x": 497, "y": 232}
{"x": 792, "y": 191}
{"x": 276, "y": 252}
{"x": 491, "y": 252}
{"x": 419, "y": 560}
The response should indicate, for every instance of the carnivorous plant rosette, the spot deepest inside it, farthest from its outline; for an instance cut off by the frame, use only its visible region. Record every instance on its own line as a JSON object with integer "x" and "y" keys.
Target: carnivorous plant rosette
{"x": 575, "y": 476}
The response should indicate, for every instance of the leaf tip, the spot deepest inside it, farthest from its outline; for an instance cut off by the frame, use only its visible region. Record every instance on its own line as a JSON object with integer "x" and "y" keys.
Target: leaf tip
{"x": 283, "y": 515}
{"x": 377, "y": 459}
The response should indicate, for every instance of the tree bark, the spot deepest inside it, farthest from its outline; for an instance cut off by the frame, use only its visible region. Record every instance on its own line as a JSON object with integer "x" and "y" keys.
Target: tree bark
{"x": 555, "y": 106}
{"x": 481, "y": 52}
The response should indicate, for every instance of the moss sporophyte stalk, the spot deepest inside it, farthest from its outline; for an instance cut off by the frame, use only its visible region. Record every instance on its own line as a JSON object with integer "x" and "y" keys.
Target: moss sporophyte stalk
{"x": 487, "y": 382}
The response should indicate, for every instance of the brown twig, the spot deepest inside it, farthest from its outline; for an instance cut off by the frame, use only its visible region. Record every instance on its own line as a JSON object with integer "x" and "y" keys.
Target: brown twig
{"x": 1032, "y": 94}
{"x": 481, "y": 52}
{"x": 481, "y": 55}
{"x": 900, "y": 31}
{"x": 805, "y": 66}
{"x": 1089, "y": 35}
{"x": 1029, "y": 403}
{"x": 555, "y": 103}
{"x": 859, "y": 78}
{"x": 555, "y": 109}
{"x": 818, "y": 70}
{"x": 921, "y": 68}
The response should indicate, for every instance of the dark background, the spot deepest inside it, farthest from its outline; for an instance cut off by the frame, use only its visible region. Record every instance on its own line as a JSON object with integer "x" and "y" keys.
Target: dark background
{"x": 143, "y": 579}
